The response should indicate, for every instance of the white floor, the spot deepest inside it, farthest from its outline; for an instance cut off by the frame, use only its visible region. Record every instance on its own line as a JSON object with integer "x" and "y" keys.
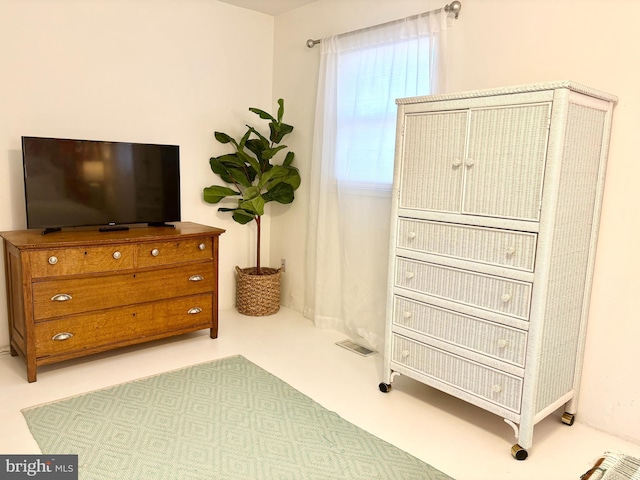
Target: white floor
{"x": 461, "y": 440}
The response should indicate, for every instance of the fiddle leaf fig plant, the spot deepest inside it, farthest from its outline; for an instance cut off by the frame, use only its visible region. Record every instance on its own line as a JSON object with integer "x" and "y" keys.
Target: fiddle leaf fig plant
{"x": 253, "y": 173}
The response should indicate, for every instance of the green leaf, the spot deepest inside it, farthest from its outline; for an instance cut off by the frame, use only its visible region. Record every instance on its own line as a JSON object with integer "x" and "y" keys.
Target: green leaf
{"x": 219, "y": 169}
{"x": 254, "y": 205}
{"x": 224, "y": 138}
{"x": 280, "y": 109}
{"x": 264, "y": 115}
{"x": 215, "y": 193}
{"x": 240, "y": 177}
{"x": 288, "y": 159}
{"x": 272, "y": 175}
{"x": 242, "y": 217}
{"x": 269, "y": 153}
{"x": 251, "y": 192}
{"x": 279, "y": 131}
{"x": 281, "y": 193}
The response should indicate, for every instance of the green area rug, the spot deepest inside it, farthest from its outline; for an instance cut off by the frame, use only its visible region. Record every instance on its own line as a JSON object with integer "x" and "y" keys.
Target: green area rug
{"x": 228, "y": 419}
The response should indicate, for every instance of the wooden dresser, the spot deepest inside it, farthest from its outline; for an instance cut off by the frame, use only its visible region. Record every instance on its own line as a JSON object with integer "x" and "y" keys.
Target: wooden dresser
{"x": 78, "y": 292}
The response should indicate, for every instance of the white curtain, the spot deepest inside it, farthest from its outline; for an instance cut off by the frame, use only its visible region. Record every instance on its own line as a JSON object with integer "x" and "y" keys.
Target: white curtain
{"x": 361, "y": 75}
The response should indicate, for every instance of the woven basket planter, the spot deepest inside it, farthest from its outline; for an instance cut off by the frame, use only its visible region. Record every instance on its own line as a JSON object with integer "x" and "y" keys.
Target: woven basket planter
{"x": 257, "y": 295}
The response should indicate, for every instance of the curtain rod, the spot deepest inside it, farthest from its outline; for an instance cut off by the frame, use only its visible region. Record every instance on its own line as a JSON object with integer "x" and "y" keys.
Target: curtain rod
{"x": 454, "y": 7}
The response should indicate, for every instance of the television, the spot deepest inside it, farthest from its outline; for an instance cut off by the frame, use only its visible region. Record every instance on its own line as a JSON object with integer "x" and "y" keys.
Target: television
{"x": 77, "y": 183}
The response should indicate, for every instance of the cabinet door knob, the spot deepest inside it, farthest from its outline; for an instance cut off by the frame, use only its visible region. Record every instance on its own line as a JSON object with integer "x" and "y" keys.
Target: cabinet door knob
{"x": 407, "y": 314}
{"x": 117, "y": 255}
{"x": 196, "y": 278}
{"x": 405, "y": 353}
{"x": 502, "y": 343}
{"x": 202, "y": 246}
{"x": 61, "y": 297}
{"x": 497, "y": 388}
{"x": 409, "y": 275}
{"x": 412, "y": 235}
{"x": 53, "y": 260}
{"x": 469, "y": 162}
{"x": 506, "y": 297}
{"x": 510, "y": 251}
{"x": 456, "y": 163}
{"x": 62, "y": 336}
{"x": 194, "y": 311}
{"x": 155, "y": 252}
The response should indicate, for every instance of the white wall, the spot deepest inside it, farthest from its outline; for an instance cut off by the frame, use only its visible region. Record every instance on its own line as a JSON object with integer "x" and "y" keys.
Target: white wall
{"x": 497, "y": 43}
{"x": 160, "y": 71}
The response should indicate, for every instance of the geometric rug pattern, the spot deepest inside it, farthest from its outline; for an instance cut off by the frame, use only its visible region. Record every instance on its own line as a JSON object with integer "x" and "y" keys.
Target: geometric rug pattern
{"x": 227, "y": 419}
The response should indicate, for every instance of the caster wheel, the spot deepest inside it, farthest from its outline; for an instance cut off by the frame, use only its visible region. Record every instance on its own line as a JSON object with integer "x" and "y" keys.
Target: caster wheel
{"x": 568, "y": 418}
{"x": 384, "y": 387}
{"x": 518, "y": 452}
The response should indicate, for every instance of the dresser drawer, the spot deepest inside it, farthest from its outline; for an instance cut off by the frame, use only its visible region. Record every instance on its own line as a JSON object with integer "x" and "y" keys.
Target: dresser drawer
{"x": 498, "y": 341}
{"x": 75, "y": 295}
{"x": 479, "y": 244}
{"x": 487, "y": 292}
{"x": 73, "y": 261}
{"x": 179, "y": 251}
{"x": 105, "y": 328}
{"x": 485, "y": 382}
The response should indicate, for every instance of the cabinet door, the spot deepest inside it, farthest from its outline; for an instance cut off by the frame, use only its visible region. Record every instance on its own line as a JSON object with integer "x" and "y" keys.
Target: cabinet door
{"x": 431, "y": 176}
{"x": 505, "y": 161}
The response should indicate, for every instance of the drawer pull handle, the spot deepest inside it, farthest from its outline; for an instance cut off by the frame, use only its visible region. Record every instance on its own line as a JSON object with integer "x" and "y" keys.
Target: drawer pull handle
{"x": 497, "y": 388}
{"x": 502, "y": 343}
{"x": 409, "y": 275}
{"x": 510, "y": 251}
{"x": 202, "y": 246}
{"x": 407, "y": 314}
{"x": 53, "y": 260}
{"x": 506, "y": 297}
{"x": 457, "y": 162}
{"x": 196, "y": 278}
{"x": 470, "y": 162}
{"x": 155, "y": 252}
{"x": 61, "y": 297}
{"x": 412, "y": 235}
{"x": 117, "y": 255}
{"x": 194, "y": 311}
{"x": 62, "y": 336}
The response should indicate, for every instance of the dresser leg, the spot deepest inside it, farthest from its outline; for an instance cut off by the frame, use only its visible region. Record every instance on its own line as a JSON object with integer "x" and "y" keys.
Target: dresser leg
{"x": 13, "y": 351}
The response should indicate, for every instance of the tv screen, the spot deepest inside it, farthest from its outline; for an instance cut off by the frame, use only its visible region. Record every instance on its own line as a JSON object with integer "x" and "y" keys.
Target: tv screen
{"x": 72, "y": 183}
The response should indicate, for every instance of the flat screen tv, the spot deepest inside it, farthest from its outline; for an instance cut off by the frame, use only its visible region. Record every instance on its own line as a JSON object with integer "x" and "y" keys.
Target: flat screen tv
{"x": 74, "y": 183}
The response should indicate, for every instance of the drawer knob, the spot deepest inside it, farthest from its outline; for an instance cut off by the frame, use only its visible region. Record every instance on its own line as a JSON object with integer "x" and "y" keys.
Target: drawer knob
{"x": 497, "y": 388}
{"x": 412, "y": 235}
{"x": 407, "y": 314}
{"x": 202, "y": 246}
{"x": 53, "y": 260}
{"x": 502, "y": 343}
{"x": 510, "y": 251}
{"x": 196, "y": 278}
{"x": 62, "y": 336}
{"x": 61, "y": 297}
{"x": 506, "y": 297}
{"x": 155, "y": 252}
{"x": 194, "y": 311}
{"x": 469, "y": 162}
{"x": 405, "y": 353}
{"x": 117, "y": 255}
{"x": 409, "y": 275}
{"x": 456, "y": 163}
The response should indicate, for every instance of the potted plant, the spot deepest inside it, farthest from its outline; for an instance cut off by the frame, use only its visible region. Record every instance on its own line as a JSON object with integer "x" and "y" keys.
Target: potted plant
{"x": 255, "y": 178}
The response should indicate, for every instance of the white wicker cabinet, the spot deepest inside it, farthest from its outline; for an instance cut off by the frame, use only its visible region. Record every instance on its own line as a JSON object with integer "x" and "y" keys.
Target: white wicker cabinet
{"x": 496, "y": 206}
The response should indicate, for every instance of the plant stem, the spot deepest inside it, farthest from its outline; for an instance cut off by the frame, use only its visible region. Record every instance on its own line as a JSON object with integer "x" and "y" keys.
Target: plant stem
{"x": 258, "y": 250}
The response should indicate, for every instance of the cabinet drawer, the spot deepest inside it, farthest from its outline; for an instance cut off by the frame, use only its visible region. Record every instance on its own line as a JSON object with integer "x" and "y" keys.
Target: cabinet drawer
{"x": 122, "y": 325}
{"x": 73, "y": 261}
{"x": 487, "y": 292}
{"x": 485, "y": 337}
{"x": 75, "y": 295}
{"x": 486, "y": 245}
{"x": 178, "y": 251}
{"x": 485, "y": 382}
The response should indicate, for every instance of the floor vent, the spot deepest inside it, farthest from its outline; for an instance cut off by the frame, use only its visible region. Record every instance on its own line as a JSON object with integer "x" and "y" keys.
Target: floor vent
{"x": 356, "y": 348}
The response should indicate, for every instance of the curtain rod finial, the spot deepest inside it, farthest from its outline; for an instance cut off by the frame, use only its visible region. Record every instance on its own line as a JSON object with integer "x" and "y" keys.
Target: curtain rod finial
{"x": 453, "y": 7}
{"x": 311, "y": 43}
